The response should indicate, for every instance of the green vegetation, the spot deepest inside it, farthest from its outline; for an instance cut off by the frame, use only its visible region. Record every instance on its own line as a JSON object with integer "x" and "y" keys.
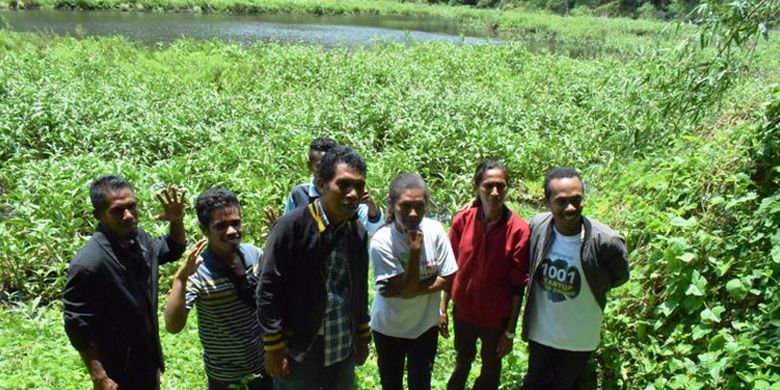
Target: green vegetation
{"x": 678, "y": 146}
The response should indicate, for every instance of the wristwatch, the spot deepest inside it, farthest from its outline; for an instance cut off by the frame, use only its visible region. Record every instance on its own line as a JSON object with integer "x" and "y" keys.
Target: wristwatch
{"x": 509, "y": 335}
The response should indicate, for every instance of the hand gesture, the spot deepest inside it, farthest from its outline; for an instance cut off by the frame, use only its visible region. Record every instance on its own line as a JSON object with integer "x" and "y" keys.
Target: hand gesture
{"x": 368, "y": 200}
{"x": 504, "y": 346}
{"x": 172, "y": 204}
{"x": 388, "y": 290}
{"x": 271, "y": 216}
{"x": 444, "y": 324}
{"x": 194, "y": 260}
{"x": 276, "y": 363}
{"x": 414, "y": 239}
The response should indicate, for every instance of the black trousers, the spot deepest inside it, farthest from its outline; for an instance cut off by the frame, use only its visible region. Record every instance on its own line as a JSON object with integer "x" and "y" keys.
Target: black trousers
{"x": 393, "y": 352}
{"x": 554, "y": 369}
{"x": 466, "y": 336}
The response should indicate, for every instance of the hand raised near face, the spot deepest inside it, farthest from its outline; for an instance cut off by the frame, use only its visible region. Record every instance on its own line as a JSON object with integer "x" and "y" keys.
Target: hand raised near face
{"x": 172, "y": 203}
{"x": 414, "y": 239}
{"x": 194, "y": 260}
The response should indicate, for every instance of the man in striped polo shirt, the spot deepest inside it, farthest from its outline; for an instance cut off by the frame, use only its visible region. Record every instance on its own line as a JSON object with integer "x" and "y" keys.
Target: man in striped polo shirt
{"x": 221, "y": 284}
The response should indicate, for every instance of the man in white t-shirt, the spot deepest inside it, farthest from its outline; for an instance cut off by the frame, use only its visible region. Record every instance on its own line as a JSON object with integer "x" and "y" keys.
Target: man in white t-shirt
{"x": 575, "y": 261}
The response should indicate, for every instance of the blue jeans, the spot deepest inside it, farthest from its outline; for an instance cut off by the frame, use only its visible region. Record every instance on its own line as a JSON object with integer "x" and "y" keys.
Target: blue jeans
{"x": 310, "y": 374}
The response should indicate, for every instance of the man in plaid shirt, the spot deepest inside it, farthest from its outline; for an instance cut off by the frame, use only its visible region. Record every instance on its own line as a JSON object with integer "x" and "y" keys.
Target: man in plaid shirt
{"x": 313, "y": 292}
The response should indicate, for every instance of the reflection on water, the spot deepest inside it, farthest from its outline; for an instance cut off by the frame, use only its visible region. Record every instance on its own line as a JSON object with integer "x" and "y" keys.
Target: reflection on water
{"x": 326, "y": 31}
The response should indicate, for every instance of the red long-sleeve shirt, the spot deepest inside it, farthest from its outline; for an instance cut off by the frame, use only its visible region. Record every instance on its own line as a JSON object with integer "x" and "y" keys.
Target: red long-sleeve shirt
{"x": 492, "y": 265}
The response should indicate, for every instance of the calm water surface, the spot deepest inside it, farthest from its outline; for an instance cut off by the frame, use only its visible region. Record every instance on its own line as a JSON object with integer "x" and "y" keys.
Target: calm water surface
{"x": 326, "y": 31}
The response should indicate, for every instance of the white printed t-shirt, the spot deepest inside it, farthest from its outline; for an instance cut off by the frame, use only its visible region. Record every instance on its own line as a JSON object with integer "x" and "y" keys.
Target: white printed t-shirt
{"x": 565, "y": 313}
{"x": 389, "y": 252}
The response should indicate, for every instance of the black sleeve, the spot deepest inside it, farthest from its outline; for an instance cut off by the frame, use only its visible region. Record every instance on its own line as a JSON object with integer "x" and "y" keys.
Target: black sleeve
{"x": 83, "y": 303}
{"x": 169, "y": 250}
{"x": 613, "y": 251}
{"x": 269, "y": 295}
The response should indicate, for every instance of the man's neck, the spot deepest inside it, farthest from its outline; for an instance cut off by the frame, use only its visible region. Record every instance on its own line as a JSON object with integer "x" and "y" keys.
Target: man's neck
{"x": 569, "y": 228}
{"x": 122, "y": 242}
{"x": 227, "y": 258}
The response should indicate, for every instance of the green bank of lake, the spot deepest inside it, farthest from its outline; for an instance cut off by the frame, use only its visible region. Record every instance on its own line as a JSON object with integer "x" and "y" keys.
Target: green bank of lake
{"x": 328, "y": 31}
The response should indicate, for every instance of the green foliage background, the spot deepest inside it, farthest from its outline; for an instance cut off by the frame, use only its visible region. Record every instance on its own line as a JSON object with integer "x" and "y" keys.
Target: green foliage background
{"x": 679, "y": 152}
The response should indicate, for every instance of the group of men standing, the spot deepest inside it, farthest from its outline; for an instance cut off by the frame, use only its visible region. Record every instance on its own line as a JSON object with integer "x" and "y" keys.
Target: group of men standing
{"x": 296, "y": 314}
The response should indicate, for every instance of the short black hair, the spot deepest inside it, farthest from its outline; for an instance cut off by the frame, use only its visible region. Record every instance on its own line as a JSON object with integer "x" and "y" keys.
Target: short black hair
{"x": 559, "y": 173}
{"x": 339, "y": 155}
{"x": 102, "y": 186}
{"x": 321, "y": 144}
{"x": 214, "y": 199}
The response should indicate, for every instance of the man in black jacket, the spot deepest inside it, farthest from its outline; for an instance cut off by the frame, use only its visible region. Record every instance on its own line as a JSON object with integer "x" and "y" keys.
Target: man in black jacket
{"x": 312, "y": 296}
{"x": 110, "y": 297}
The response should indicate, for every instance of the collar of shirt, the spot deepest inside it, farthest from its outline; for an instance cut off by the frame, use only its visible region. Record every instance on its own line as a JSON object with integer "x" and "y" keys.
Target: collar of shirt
{"x": 313, "y": 189}
{"x": 217, "y": 265}
{"x": 111, "y": 245}
{"x": 505, "y": 214}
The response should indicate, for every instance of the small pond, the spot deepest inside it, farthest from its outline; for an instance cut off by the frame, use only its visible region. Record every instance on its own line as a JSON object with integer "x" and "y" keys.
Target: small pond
{"x": 325, "y": 31}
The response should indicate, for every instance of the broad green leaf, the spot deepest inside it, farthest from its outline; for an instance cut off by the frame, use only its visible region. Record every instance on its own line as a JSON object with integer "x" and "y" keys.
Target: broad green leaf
{"x": 686, "y": 257}
{"x": 707, "y": 315}
{"x": 736, "y": 289}
{"x": 683, "y": 223}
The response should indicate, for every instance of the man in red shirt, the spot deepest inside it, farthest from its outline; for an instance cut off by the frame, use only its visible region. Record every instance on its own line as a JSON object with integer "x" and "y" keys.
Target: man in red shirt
{"x": 491, "y": 246}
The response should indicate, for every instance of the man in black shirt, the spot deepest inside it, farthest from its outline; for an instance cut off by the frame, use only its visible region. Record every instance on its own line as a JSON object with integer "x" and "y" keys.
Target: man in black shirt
{"x": 110, "y": 297}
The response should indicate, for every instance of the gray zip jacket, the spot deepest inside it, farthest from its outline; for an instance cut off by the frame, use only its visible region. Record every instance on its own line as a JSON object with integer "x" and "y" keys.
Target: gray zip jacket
{"x": 603, "y": 253}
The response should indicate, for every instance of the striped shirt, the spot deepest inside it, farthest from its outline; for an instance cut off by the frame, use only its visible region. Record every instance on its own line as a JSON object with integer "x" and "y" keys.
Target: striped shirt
{"x": 227, "y": 326}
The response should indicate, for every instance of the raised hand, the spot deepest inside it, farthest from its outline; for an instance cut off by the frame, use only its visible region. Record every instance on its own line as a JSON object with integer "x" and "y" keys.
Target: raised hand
{"x": 194, "y": 260}
{"x": 368, "y": 200}
{"x": 172, "y": 204}
{"x": 271, "y": 216}
{"x": 414, "y": 239}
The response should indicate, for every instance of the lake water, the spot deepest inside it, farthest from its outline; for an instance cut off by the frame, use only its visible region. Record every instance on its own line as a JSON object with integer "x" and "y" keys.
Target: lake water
{"x": 164, "y": 27}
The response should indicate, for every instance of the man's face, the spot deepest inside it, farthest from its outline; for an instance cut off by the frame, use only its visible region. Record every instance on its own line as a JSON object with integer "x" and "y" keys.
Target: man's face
{"x": 224, "y": 230}
{"x": 120, "y": 217}
{"x": 565, "y": 202}
{"x": 341, "y": 196}
{"x": 492, "y": 190}
{"x": 409, "y": 210}
{"x": 315, "y": 158}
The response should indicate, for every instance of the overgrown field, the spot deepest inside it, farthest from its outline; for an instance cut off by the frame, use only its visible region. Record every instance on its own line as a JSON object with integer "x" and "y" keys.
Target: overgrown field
{"x": 695, "y": 195}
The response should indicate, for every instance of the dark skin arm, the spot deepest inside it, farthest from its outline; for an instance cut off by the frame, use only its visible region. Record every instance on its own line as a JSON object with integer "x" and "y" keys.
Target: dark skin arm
{"x": 98, "y": 375}
{"x": 505, "y": 343}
